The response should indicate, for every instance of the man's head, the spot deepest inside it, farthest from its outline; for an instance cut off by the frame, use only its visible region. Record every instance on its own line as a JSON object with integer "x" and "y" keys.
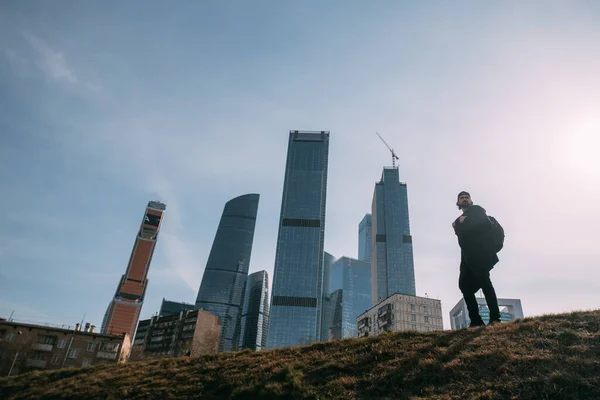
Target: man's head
{"x": 464, "y": 200}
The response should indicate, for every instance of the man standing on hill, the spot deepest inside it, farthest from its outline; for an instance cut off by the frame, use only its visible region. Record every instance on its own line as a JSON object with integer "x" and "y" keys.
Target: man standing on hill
{"x": 477, "y": 258}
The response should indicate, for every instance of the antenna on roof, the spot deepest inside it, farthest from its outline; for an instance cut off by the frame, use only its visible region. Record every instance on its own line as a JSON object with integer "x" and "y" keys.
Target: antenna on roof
{"x": 394, "y": 156}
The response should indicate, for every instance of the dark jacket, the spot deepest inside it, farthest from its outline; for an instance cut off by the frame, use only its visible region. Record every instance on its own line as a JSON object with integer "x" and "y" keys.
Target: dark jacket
{"x": 475, "y": 241}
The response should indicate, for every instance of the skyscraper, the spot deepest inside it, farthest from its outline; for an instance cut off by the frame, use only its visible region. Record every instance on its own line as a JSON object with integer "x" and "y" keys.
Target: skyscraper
{"x": 298, "y": 274}
{"x": 328, "y": 260}
{"x": 332, "y": 316}
{"x": 124, "y": 310}
{"x": 222, "y": 289}
{"x": 350, "y": 296}
{"x": 392, "y": 264}
{"x": 255, "y": 312}
{"x": 365, "y": 238}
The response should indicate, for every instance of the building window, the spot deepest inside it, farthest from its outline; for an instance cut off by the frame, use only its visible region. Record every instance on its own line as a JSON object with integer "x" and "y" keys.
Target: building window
{"x": 412, "y": 307}
{"x": 91, "y": 346}
{"x": 55, "y": 359}
{"x": 61, "y": 344}
{"x": 86, "y": 362}
{"x": 426, "y": 320}
{"x": 109, "y": 346}
{"x": 47, "y": 339}
{"x": 74, "y": 353}
{"x": 413, "y": 317}
{"x": 425, "y": 308}
{"x": 40, "y": 356}
{"x": 414, "y": 327}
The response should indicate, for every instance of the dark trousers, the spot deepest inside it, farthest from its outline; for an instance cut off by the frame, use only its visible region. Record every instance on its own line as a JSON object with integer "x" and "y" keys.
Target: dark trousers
{"x": 469, "y": 282}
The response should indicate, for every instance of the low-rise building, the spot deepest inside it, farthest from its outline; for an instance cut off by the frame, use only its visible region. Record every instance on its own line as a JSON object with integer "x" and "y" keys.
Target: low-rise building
{"x": 191, "y": 332}
{"x": 168, "y": 307}
{"x": 510, "y": 309}
{"x": 401, "y": 312}
{"x": 25, "y": 347}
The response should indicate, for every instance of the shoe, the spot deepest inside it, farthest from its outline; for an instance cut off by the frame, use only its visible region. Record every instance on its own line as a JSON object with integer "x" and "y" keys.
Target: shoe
{"x": 495, "y": 321}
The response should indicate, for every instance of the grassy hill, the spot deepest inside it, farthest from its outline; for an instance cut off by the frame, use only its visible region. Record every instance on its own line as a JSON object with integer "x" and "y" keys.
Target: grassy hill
{"x": 550, "y": 357}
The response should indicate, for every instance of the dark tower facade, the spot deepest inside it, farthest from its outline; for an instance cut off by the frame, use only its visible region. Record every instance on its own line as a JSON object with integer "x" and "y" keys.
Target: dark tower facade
{"x": 255, "y": 313}
{"x": 222, "y": 289}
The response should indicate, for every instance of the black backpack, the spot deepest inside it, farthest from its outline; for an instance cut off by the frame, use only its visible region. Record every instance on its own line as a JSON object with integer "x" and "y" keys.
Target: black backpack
{"x": 497, "y": 234}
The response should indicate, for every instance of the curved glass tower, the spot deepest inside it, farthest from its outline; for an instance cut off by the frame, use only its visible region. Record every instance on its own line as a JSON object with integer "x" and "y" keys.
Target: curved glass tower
{"x": 224, "y": 280}
{"x": 296, "y": 305}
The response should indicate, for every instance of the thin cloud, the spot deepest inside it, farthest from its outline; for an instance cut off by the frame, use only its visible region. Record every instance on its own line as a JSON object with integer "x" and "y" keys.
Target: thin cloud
{"x": 51, "y": 61}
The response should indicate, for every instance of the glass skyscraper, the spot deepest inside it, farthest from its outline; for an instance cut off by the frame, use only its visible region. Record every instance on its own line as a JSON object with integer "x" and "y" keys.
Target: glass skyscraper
{"x": 298, "y": 274}
{"x": 350, "y": 296}
{"x": 332, "y": 316}
{"x": 222, "y": 288}
{"x": 255, "y": 314}
{"x": 365, "y": 238}
{"x": 392, "y": 264}
{"x": 328, "y": 260}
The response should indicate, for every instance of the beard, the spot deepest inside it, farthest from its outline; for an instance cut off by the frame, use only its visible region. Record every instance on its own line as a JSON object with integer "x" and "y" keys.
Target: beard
{"x": 465, "y": 204}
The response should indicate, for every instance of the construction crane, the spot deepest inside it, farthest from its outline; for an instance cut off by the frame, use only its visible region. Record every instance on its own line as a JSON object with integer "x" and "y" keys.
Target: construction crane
{"x": 394, "y": 156}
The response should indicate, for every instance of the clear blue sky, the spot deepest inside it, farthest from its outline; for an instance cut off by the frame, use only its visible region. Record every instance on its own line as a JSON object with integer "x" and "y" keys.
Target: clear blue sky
{"x": 107, "y": 105}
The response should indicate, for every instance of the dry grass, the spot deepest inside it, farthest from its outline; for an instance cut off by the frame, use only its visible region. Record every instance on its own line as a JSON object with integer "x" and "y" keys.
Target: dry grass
{"x": 550, "y": 357}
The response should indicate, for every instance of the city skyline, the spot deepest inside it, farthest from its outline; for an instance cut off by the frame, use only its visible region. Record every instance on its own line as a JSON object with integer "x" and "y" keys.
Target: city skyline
{"x": 499, "y": 99}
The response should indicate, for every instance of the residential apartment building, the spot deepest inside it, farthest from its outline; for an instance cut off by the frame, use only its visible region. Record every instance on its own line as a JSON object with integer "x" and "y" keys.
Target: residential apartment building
{"x": 168, "y": 307}
{"x": 26, "y": 347}
{"x": 191, "y": 332}
{"x": 401, "y": 312}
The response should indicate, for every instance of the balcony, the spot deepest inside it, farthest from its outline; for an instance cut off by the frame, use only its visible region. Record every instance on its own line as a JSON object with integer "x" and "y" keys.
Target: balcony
{"x": 36, "y": 363}
{"x": 106, "y": 355}
{"x": 41, "y": 347}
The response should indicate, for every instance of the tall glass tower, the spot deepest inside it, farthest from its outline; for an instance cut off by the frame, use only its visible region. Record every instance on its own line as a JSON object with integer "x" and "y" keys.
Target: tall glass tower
{"x": 350, "y": 296}
{"x": 365, "y": 238}
{"x": 298, "y": 274}
{"x": 222, "y": 288}
{"x": 255, "y": 314}
{"x": 392, "y": 264}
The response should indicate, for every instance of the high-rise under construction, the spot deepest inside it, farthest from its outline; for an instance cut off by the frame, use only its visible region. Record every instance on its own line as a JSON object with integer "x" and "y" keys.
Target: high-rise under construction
{"x": 124, "y": 310}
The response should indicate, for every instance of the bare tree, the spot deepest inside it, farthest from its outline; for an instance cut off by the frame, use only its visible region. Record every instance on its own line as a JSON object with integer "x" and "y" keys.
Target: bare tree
{"x": 207, "y": 343}
{"x": 138, "y": 353}
{"x": 306, "y": 341}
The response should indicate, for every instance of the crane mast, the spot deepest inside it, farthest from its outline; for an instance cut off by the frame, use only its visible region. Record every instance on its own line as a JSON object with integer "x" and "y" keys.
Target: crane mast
{"x": 394, "y": 156}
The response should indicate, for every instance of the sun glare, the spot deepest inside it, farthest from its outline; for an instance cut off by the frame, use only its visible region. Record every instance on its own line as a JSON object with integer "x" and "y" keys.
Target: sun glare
{"x": 582, "y": 147}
